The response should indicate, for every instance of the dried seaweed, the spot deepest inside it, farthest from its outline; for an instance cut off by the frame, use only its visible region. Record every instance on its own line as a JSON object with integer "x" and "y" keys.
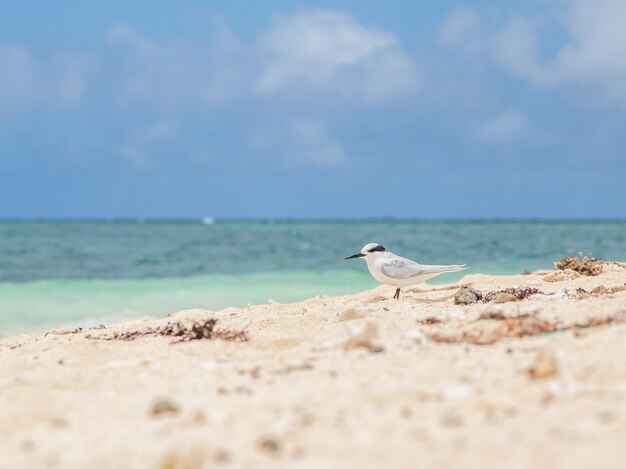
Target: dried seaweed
{"x": 525, "y": 325}
{"x": 493, "y": 315}
{"x": 585, "y": 265}
{"x": 520, "y": 293}
{"x": 183, "y": 332}
{"x": 430, "y": 321}
{"x": 599, "y": 291}
{"x": 77, "y": 330}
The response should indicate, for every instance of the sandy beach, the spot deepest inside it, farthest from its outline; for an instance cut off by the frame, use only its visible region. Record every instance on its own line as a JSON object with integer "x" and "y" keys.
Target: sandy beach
{"x": 348, "y": 381}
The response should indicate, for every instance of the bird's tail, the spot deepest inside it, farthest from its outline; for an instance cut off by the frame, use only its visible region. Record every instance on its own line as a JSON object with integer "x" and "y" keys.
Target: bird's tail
{"x": 447, "y": 268}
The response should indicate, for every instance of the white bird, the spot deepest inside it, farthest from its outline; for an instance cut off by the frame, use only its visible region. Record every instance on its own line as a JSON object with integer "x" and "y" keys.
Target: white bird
{"x": 390, "y": 269}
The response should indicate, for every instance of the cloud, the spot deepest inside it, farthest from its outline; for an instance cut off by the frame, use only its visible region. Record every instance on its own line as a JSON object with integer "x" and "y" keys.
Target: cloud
{"x": 321, "y": 57}
{"x": 316, "y": 51}
{"x": 160, "y": 130}
{"x": 301, "y": 143}
{"x": 589, "y": 56}
{"x": 123, "y": 34}
{"x": 59, "y": 82}
{"x": 509, "y": 126}
{"x": 459, "y": 27}
{"x": 136, "y": 157}
{"x": 595, "y": 53}
{"x": 332, "y": 51}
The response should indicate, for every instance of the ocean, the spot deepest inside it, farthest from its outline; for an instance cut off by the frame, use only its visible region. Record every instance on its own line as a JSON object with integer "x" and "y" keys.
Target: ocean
{"x": 68, "y": 274}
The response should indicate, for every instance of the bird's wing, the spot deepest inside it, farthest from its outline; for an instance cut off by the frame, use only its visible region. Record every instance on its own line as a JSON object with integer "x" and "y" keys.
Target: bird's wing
{"x": 399, "y": 267}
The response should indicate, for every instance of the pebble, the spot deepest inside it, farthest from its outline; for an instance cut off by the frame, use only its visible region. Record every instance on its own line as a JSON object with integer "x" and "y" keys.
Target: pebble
{"x": 561, "y": 275}
{"x": 270, "y": 444}
{"x": 164, "y": 406}
{"x": 350, "y": 313}
{"x": 467, "y": 296}
{"x": 546, "y": 365}
{"x": 361, "y": 335}
{"x": 451, "y": 418}
{"x": 504, "y": 298}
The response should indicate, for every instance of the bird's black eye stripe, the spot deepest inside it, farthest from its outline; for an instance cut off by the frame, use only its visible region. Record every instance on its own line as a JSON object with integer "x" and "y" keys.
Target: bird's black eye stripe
{"x": 376, "y": 248}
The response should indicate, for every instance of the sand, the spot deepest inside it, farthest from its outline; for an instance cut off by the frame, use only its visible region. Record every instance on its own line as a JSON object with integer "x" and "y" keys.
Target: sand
{"x": 413, "y": 390}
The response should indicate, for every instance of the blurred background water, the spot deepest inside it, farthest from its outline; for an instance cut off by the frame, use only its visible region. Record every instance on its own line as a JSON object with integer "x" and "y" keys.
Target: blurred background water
{"x": 80, "y": 273}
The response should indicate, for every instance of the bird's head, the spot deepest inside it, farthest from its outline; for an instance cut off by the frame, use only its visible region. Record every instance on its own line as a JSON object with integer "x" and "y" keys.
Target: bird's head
{"x": 369, "y": 250}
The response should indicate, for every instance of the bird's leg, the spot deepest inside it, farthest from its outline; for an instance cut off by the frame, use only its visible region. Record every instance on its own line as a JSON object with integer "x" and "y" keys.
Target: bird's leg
{"x": 397, "y": 295}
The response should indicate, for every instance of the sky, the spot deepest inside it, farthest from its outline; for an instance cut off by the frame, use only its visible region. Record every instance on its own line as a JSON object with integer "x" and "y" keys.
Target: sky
{"x": 302, "y": 109}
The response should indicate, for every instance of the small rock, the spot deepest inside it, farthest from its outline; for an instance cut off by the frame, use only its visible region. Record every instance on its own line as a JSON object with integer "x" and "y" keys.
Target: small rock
{"x": 164, "y": 406}
{"x": 599, "y": 289}
{"x": 504, "y": 298}
{"x": 361, "y": 335}
{"x": 222, "y": 456}
{"x": 27, "y": 445}
{"x": 270, "y": 444}
{"x": 350, "y": 313}
{"x": 376, "y": 348}
{"x": 561, "y": 275}
{"x": 451, "y": 418}
{"x": 585, "y": 265}
{"x": 546, "y": 365}
{"x": 467, "y": 296}
{"x": 59, "y": 422}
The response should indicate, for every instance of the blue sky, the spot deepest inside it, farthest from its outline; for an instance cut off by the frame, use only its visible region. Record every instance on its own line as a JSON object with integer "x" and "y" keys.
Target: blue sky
{"x": 313, "y": 109}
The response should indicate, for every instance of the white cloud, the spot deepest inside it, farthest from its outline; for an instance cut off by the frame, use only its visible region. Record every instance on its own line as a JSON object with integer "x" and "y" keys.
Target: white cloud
{"x": 459, "y": 27}
{"x": 301, "y": 143}
{"x": 134, "y": 156}
{"x": 160, "y": 130}
{"x": 332, "y": 51}
{"x": 515, "y": 48}
{"x": 596, "y": 53}
{"x": 509, "y": 126}
{"x": 176, "y": 76}
{"x": 123, "y": 34}
{"x": 590, "y": 57}
{"x": 60, "y": 81}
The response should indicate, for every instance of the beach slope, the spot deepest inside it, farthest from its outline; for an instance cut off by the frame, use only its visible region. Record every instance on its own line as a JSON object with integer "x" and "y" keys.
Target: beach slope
{"x": 350, "y": 381}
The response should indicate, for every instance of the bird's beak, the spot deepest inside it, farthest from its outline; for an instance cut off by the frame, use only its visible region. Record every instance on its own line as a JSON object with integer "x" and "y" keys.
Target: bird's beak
{"x": 355, "y": 256}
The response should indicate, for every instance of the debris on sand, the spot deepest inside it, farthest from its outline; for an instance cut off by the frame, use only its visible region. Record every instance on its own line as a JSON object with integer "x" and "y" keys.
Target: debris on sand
{"x": 546, "y": 365}
{"x": 430, "y": 320}
{"x": 518, "y": 293}
{"x": 504, "y": 297}
{"x": 494, "y": 327}
{"x": 351, "y": 313}
{"x": 77, "y": 330}
{"x": 270, "y": 444}
{"x": 415, "y": 336}
{"x": 361, "y": 335}
{"x": 561, "y": 275}
{"x": 600, "y": 290}
{"x": 164, "y": 406}
{"x": 183, "y": 332}
{"x": 585, "y": 265}
{"x": 467, "y": 296}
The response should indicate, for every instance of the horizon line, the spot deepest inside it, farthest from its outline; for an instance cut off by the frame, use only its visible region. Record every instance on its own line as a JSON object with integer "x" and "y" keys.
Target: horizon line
{"x": 212, "y": 220}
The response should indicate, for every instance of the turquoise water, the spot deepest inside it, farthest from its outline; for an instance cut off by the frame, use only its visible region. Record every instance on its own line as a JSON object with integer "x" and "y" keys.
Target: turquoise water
{"x": 78, "y": 273}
